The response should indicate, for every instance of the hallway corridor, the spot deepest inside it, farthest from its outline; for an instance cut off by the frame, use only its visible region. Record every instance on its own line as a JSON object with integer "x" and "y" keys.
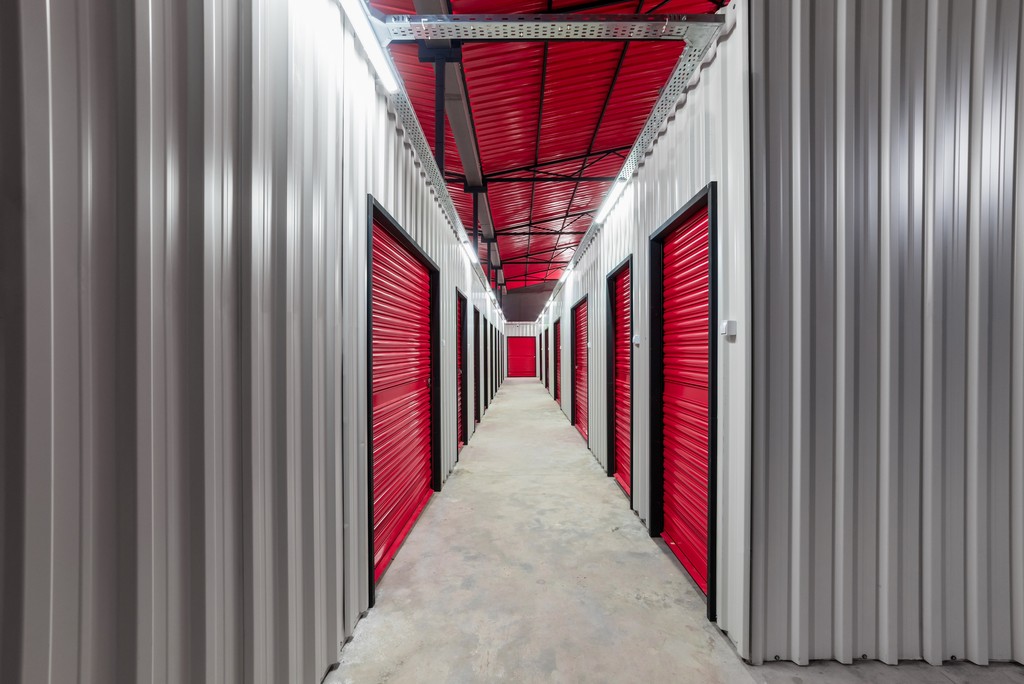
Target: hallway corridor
{"x": 529, "y": 567}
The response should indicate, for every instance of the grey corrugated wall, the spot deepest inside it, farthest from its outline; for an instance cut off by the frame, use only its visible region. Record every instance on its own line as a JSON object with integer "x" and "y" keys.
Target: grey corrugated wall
{"x": 184, "y": 335}
{"x": 888, "y": 444}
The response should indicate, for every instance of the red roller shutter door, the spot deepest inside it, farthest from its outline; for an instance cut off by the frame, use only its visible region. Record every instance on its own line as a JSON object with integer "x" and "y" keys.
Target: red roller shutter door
{"x": 580, "y": 406}
{"x": 558, "y": 361}
{"x": 622, "y": 378}
{"x": 522, "y": 357}
{"x": 686, "y": 279}
{"x": 402, "y": 447}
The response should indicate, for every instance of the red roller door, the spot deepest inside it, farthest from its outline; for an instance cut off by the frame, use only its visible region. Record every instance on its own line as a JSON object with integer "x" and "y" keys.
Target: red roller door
{"x": 622, "y": 379}
{"x": 558, "y": 361}
{"x": 401, "y": 363}
{"x": 522, "y": 357}
{"x": 686, "y": 279}
{"x": 460, "y": 356}
{"x": 580, "y": 406}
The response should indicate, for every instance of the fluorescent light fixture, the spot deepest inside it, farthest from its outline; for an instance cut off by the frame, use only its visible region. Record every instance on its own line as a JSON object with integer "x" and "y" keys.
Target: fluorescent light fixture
{"x": 610, "y": 199}
{"x": 357, "y": 15}
{"x": 469, "y": 250}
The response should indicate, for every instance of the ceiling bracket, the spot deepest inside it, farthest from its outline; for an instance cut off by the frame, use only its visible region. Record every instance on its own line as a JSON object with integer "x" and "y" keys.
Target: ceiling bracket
{"x": 447, "y": 55}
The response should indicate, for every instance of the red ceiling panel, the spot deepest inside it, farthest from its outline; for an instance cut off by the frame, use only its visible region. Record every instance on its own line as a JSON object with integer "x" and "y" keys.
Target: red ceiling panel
{"x": 594, "y": 102}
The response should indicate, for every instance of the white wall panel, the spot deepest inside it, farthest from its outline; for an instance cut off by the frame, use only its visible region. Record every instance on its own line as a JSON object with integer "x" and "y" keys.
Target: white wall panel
{"x": 184, "y": 462}
{"x": 705, "y": 140}
{"x": 888, "y": 409}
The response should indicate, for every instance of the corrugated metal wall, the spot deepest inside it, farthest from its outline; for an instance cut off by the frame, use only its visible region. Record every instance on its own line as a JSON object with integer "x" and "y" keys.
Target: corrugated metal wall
{"x": 706, "y": 139}
{"x": 888, "y": 442}
{"x": 184, "y": 458}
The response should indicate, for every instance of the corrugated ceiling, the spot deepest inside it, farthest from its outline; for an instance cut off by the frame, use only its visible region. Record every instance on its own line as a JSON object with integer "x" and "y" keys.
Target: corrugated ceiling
{"x": 568, "y": 110}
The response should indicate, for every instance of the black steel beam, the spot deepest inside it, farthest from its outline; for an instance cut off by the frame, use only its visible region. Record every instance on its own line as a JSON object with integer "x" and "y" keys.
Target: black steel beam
{"x": 540, "y": 233}
{"x": 560, "y": 217}
{"x": 546, "y": 179}
{"x": 517, "y": 262}
{"x": 564, "y": 160}
{"x": 550, "y": 250}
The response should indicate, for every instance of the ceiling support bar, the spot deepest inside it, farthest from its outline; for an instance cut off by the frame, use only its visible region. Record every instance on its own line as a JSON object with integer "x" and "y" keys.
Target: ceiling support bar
{"x": 439, "y": 113}
{"x": 545, "y": 179}
{"x": 543, "y": 233}
{"x": 476, "y": 223}
{"x": 548, "y": 219}
{"x": 618, "y": 151}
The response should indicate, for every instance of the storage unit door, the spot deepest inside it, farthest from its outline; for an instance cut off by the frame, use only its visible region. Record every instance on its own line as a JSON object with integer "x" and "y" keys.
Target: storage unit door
{"x": 558, "y": 359}
{"x": 522, "y": 362}
{"x": 580, "y": 406}
{"x": 401, "y": 338}
{"x": 621, "y": 389}
{"x": 460, "y": 355}
{"x": 686, "y": 279}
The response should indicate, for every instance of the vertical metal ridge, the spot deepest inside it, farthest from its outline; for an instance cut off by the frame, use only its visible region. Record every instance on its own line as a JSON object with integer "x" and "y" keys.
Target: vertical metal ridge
{"x": 1017, "y": 400}
{"x": 800, "y": 584}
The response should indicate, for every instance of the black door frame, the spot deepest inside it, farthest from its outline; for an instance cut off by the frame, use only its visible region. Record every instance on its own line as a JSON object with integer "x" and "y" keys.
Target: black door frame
{"x": 477, "y": 345}
{"x": 626, "y": 263}
{"x": 705, "y": 198}
{"x": 462, "y": 303}
{"x": 486, "y": 367}
{"x": 374, "y": 210}
{"x": 572, "y": 372}
{"x": 556, "y": 359}
{"x": 544, "y": 362}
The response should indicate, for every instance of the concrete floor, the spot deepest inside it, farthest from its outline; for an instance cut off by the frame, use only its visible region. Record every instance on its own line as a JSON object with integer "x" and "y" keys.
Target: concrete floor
{"x": 530, "y": 567}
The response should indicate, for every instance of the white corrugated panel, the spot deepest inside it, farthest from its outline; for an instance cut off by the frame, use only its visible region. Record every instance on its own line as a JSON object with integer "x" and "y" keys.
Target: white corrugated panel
{"x": 520, "y": 329}
{"x": 187, "y": 300}
{"x": 705, "y": 140}
{"x": 888, "y": 434}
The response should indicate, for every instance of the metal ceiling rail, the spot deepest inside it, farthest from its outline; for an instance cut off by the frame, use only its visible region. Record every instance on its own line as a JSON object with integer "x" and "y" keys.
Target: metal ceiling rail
{"x": 406, "y": 28}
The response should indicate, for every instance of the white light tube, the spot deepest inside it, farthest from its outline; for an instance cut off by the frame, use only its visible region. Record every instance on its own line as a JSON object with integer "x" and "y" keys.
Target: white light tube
{"x": 357, "y": 15}
{"x": 610, "y": 200}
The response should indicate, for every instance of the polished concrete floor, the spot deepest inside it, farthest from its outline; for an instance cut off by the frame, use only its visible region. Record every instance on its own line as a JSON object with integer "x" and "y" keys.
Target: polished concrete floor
{"x": 530, "y": 567}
